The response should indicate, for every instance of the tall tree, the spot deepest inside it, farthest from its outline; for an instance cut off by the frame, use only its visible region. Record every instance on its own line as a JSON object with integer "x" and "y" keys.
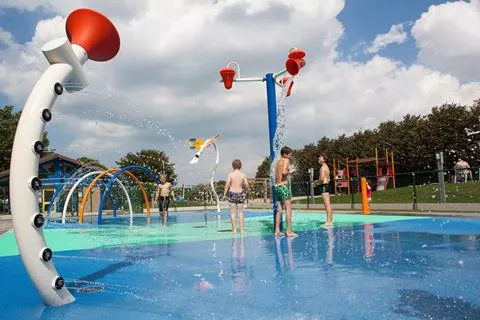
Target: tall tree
{"x": 155, "y": 160}
{"x": 263, "y": 170}
{"x": 8, "y": 126}
{"x": 446, "y": 132}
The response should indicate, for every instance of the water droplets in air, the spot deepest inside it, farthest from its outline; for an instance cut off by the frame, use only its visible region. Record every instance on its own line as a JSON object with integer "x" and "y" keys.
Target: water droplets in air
{"x": 279, "y": 139}
{"x": 132, "y": 114}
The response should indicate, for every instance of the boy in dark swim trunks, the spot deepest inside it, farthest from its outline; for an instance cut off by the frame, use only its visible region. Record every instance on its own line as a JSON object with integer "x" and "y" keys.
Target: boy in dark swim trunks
{"x": 282, "y": 190}
{"x": 234, "y": 194}
{"x": 164, "y": 192}
{"x": 324, "y": 181}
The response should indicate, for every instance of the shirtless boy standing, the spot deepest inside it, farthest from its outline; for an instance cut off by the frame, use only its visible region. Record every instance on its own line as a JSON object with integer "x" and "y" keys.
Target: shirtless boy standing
{"x": 323, "y": 181}
{"x": 234, "y": 194}
{"x": 282, "y": 190}
{"x": 164, "y": 191}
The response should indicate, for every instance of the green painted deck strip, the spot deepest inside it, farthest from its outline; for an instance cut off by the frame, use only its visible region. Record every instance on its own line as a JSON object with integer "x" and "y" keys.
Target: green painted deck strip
{"x": 67, "y": 239}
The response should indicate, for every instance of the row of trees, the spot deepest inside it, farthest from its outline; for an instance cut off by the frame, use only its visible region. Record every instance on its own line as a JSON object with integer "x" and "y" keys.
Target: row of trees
{"x": 415, "y": 140}
{"x": 8, "y": 126}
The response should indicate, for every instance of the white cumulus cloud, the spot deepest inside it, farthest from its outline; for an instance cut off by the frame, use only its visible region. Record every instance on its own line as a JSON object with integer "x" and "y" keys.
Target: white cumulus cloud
{"x": 396, "y": 34}
{"x": 163, "y": 86}
{"x": 448, "y": 39}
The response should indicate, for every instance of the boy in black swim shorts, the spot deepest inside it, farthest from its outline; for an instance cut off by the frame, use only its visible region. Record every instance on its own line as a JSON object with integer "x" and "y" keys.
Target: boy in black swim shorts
{"x": 164, "y": 192}
{"x": 324, "y": 181}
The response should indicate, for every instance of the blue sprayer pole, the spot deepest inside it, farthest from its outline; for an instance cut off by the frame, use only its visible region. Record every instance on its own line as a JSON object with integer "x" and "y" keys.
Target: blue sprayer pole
{"x": 272, "y": 127}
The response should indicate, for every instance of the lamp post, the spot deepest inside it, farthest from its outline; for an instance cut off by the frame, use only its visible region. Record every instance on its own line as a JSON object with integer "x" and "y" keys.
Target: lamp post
{"x": 293, "y": 64}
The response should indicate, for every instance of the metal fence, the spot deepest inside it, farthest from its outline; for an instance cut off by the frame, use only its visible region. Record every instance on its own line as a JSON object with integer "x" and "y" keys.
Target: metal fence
{"x": 410, "y": 188}
{"x": 432, "y": 186}
{"x": 458, "y": 186}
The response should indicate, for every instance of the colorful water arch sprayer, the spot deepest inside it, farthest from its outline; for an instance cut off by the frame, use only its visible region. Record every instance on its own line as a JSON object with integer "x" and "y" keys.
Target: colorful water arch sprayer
{"x": 200, "y": 146}
{"x": 90, "y": 36}
{"x": 276, "y": 112}
{"x": 72, "y": 184}
{"x": 120, "y": 171}
{"x": 79, "y": 181}
{"x": 60, "y": 189}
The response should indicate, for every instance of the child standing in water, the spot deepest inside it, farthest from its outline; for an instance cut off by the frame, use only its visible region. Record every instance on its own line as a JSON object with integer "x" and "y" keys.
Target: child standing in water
{"x": 282, "y": 190}
{"x": 234, "y": 194}
{"x": 164, "y": 192}
{"x": 324, "y": 181}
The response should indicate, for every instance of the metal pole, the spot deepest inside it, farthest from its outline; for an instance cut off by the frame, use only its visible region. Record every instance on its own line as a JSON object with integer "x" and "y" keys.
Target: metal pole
{"x": 272, "y": 128}
{"x": 352, "y": 193}
{"x": 248, "y": 79}
{"x": 205, "y": 197}
{"x": 393, "y": 169}
{"x": 279, "y": 73}
{"x": 3, "y": 199}
{"x": 349, "y": 189}
{"x": 441, "y": 180}
{"x": 307, "y": 192}
{"x": 415, "y": 206}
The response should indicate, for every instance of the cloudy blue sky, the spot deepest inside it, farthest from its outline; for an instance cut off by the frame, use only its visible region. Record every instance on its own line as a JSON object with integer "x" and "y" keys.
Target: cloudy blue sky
{"x": 368, "y": 61}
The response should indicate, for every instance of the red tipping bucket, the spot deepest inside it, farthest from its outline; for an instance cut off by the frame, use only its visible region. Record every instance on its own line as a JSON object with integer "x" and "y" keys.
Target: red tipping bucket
{"x": 293, "y": 66}
{"x": 283, "y": 81}
{"x": 94, "y": 33}
{"x": 227, "y": 76}
{"x": 296, "y": 54}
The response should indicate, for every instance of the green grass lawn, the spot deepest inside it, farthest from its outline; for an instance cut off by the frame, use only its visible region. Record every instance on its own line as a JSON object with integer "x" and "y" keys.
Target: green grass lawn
{"x": 456, "y": 193}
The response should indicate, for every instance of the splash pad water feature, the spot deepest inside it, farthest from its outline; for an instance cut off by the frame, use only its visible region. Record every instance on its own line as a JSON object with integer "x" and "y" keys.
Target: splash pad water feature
{"x": 90, "y": 36}
{"x": 200, "y": 146}
{"x": 379, "y": 267}
{"x": 113, "y": 174}
{"x": 276, "y": 111}
{"x": 86, "y": 176}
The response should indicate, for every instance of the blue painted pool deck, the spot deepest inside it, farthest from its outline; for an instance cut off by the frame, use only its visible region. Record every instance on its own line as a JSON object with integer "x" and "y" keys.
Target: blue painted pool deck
{"x": 366, "y": 267}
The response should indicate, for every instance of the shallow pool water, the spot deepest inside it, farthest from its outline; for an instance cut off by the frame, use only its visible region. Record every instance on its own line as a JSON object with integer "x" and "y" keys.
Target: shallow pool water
{"x": 367, "y": 267}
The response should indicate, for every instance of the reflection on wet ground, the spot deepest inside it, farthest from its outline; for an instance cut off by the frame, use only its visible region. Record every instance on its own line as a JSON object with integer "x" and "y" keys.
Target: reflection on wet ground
{"x": 425, "y": 305}
{"x": 406, "y": 269}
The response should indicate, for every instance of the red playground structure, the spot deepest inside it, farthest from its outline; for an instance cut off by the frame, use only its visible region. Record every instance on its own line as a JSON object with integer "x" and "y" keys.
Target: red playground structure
{"x": 345, "y": 169}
